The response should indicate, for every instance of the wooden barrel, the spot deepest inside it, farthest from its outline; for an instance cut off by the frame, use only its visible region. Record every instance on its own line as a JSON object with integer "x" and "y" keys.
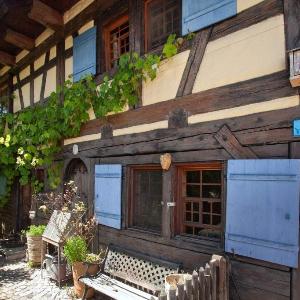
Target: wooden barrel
{"x": 34, "y": 249}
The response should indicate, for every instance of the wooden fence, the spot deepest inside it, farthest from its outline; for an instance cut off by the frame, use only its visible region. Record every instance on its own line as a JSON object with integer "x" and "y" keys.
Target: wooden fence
{"x": 209, "y": 283}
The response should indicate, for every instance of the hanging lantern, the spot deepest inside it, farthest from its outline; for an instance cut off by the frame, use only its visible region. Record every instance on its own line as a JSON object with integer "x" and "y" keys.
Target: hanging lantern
{"x": 165, "y": 161}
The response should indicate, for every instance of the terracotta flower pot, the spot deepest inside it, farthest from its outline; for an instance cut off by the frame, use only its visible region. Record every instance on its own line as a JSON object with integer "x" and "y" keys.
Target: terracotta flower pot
{"x": 80, "y": 269}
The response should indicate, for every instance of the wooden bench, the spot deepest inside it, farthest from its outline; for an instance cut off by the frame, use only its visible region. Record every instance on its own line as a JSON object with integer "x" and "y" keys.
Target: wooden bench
{"x": 129, "y": 275}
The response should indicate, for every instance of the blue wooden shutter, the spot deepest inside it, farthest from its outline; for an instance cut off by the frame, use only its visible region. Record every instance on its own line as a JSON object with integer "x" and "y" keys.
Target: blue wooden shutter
{"x": 108, "y": 180}
{"x": 2, "y": 185}
{"x": 202, "y": 13}
{"x": 262, "y": 214}
{"x": 84, "y": 54}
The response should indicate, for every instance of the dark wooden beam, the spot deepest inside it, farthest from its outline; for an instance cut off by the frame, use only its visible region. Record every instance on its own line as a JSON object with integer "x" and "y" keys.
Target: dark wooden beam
{"x": 3, "y": 9}
{"x": 178, "y": 118}
{"x": 292, "y": 21}
{"x": 44, "y": 78}
{"x": 72, "y": 26}
{"x": 7, "y": 59}
{"x": 60, "y": 67}
{"x": 18, "y": 39}
{"x": 31, "y": 84}
{"x": 20, "y": 91}
{"x": 46, "y": 15}
{"x": 231, "y": 144}
{"x": 255, "y": 90}
{"x": 10, "y": 93}
{"x": 194, "y": 61}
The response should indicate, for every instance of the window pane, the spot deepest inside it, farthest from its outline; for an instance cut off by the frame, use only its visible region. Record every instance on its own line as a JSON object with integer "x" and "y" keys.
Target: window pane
{"x": 193, "y": 176}
{"x": 211, "y": 191}
{"x": 147, "y": 209}
{"x": 162, "y": 20}
{"x": 193, "y": 191}
{"x": 211, "y": 176}
{"x": 216, "y": 208}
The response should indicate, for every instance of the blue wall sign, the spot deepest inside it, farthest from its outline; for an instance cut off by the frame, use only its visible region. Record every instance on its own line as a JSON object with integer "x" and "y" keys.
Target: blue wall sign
{"x": 296, "y": 128}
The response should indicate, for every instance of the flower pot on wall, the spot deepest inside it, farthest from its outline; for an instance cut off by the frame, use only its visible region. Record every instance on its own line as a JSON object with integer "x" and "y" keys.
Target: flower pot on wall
{"x": 80, "y": 269}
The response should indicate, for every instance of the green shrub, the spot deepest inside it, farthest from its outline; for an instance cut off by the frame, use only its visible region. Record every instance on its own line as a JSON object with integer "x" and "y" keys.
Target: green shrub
{"x": 35, "y": 230}
{"x": 75, "y": 249}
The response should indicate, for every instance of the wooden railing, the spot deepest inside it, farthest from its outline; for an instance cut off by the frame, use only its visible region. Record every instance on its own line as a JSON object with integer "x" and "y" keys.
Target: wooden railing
{"x": 209, "y": 283}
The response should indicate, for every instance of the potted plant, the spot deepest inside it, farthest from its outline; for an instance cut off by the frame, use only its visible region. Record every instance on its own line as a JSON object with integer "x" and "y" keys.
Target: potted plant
{"x": 76, "y": 253}
{"x": 34, "y": 244}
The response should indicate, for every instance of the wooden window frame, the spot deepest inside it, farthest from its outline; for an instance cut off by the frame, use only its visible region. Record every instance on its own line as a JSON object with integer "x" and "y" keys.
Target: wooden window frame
{"x": 146, "y": 27}
{"x": 130, "y": 196}
{"x": 107, "y": 28}
{"x": 179, "y": 215}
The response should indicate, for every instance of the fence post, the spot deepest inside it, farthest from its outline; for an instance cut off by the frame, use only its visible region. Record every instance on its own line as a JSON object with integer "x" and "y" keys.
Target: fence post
{"x": 162, "y": 295}
{"x": 202, "y": 283}
{"x": 195, "y": 283}
{"x": 188, "y": 287}
{"x": 213, "y": 274}
{"x": 180, "y": 291}
{"x": 207, "y": 282}
{"x": 172, "y": 293}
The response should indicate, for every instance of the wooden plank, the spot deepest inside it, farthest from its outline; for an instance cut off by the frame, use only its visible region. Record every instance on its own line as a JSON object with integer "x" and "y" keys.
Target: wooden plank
{"x": 72, "y": 26}
{"x": 266, "y": 119}
{"x": 295, "y": 282}
{"x": 106, "y": 131}
{"x": 178, "y": 118}
{"x": 202, "y": 284}
{"x": 7, "y": 59}
{"x": 31, "y": 85}
{"x": 180, "y": 291}
{"x": 231, "y": 144}
{"x": 18, "y": 39}
{"x": 255, "y": 14}
{"x": 3, "y": 9}
{"x": 294, "y": 150}
{"x": 214, "y": 277}
{"x": 167, "y": 196}
{"x": 292, "y": 20}
{"x": 44, "y": 78}
{"x": 60, "y": 67}
{"x": 269, "y": 280}
{"x": 195, "y": 284}
{"x": 255, "y": 90}
{"x": 20, "y": 91}
{"x": 194, "y": 61}
{"x": 188, "y": 284}
{"x": 46, "y": 15}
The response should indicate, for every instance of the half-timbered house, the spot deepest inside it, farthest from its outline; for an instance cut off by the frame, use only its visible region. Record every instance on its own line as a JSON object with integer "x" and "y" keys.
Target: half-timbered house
{"x": 224, "y": 108}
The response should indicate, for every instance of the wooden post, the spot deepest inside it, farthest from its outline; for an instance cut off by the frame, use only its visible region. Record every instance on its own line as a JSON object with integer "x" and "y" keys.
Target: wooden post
{"x": 213, "y": 274}
{"x": 207, "y": 282}
{"x": 202, "y": 283}
{"x": 162, "y": 295}
{"x": 180, "y": 289}
{"x": 188, "y": 287}
{"x": 172, "y": 293}
{"x": 167, "y": 211}
{"x": 195, "y": 283}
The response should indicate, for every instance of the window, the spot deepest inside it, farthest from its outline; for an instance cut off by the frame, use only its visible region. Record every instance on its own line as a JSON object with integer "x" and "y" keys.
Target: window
{"x": 146, "y": 198}
{"x": 116, "y": 37}
{"x": 200, "y": 204}
{"x": 161, "y": 20}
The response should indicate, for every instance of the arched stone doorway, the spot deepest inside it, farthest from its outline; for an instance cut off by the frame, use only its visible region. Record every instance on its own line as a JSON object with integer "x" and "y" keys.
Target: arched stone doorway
{"x": 78, "y": 172}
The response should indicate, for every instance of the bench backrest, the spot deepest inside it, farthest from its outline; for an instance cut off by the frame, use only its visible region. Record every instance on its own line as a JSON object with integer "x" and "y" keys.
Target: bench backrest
{"x": 138, "y": 269}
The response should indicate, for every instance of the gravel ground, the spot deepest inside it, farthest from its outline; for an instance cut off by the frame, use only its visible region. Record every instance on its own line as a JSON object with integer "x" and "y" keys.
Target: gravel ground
{"x": 19, "y": 282}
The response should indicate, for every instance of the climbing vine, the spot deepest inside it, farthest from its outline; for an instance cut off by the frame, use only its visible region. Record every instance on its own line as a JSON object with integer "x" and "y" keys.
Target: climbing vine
{"x": 31, "y": 138}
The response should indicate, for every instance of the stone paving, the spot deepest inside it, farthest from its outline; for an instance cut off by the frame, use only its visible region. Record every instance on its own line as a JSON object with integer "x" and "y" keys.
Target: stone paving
{"x": 19, "y": 282}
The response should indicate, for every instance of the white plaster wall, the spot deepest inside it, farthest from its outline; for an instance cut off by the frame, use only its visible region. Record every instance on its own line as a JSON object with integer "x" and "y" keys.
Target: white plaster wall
{"x": 68, "y": 67}
{"x": 244, "y": 4}
{"x": 68, "y": 42}
{"x": 164, "y": 86}
{"x": 38, "y": 63}
{"x": 17, "y": 103}
{"x": 26, "y": 94}
{"x": 50, "y": 82}
{"x": 24, "y": 73}
{"x": 86, "y": 27}
{"x": 248, "y": 53}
